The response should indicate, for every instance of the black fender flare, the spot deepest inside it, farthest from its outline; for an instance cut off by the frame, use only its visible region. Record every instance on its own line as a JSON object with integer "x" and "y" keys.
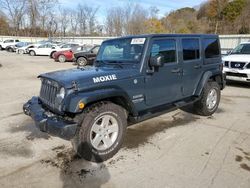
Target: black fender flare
{"x": 206, "y": 76}
{"x": 90, "y": 97}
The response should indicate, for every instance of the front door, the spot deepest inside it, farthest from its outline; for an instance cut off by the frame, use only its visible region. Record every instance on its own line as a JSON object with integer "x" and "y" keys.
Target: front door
{"x": 164, "y": 84}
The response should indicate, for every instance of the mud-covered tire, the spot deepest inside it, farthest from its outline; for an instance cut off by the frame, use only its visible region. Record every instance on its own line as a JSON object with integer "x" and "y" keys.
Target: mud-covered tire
{"x": 81, "y": 61}
{"x": 32, "y": 53}
{"x": 209, "y": 101}
{"x": 83, "y": 140}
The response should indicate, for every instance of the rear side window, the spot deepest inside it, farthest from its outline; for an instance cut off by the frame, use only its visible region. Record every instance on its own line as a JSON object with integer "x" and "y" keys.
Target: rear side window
{"x": 166, "y": 48}
{"x": 190, "y": 49}
{"x": 211, "y": 47}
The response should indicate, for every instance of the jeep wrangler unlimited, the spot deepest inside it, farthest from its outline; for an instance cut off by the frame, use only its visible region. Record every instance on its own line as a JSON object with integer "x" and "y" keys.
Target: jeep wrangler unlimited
{"x": 134, "y": 78}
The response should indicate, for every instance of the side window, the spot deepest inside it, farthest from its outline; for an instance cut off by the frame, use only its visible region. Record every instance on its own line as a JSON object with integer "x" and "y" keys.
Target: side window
{"x": 166, "y": 48}
{"x": 95, "y": 50}
{"x": 211, "y": 47}
{"x": 190, "y": 49}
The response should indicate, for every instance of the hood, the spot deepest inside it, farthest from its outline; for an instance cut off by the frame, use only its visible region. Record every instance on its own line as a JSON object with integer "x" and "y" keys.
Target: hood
{"x": 90, "y": 75}
{"x": 237, "y": 58}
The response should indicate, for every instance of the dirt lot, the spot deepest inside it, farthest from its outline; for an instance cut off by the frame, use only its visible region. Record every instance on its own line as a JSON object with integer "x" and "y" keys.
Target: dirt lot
{"x": 178, "y": 149}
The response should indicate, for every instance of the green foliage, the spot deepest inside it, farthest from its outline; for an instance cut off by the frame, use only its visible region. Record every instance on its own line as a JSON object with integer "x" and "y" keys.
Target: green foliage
{"x": 233, "y": 9}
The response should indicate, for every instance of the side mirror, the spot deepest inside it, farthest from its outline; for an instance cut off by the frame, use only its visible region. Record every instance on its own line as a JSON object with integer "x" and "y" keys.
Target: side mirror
{"x": 53, "y": 47}
{"x": 92, "y": 51}
{"x": 156, "y": 61}
{"x": 229, "y": 52}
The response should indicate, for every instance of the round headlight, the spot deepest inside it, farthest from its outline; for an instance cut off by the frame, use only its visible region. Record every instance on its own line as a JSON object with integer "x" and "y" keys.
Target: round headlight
{"x": 61, "y": 93}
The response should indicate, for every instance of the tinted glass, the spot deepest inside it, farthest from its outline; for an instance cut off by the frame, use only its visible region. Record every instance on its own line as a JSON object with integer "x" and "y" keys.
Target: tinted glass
{"x": 95, "y": 50}
{"x": 127, "y": 50}
{"x": 191, "y": 49}
{"x": 242, "y": 49}
{"x": 165, "y": 48}
{"x": 211, "y": 48}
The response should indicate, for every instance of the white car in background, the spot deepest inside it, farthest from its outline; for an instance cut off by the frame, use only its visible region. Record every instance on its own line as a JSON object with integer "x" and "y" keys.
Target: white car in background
{"x": 8, "y": 42}
{"x": 237, "y": 63}
{"x": 25, "y": 49}
{"x": 42, "y": 49}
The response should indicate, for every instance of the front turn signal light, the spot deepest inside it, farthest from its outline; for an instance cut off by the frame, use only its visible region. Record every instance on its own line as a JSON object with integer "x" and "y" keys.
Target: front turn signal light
{"x": 81, "y": 105}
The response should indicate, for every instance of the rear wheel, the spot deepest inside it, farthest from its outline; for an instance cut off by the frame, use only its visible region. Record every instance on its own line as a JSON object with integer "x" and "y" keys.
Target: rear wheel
{"x": 82, "y": 61}
{"x": 103, "y": 126}
{"x": 1, "y": 48}
{"x": 209, "y": 100}
{"x": 32, "y": 53}
{"x": 62, "y": 58}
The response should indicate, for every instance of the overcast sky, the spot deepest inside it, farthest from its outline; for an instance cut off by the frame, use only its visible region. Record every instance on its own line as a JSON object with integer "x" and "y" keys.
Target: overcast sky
{"x": 164, "y": 6}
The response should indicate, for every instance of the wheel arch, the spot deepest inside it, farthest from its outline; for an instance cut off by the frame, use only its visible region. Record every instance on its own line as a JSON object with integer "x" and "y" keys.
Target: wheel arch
{"x": 112, "y": 95}
{"x": 51, "y": 53}
{"x": 209, "y": 76}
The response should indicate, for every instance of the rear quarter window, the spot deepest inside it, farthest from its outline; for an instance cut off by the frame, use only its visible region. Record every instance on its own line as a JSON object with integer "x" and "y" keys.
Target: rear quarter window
{"x": 211, "y": 48}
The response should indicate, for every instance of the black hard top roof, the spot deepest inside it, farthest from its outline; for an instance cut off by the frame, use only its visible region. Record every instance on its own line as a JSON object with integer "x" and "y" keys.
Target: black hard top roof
{"x": 167, "y": 35}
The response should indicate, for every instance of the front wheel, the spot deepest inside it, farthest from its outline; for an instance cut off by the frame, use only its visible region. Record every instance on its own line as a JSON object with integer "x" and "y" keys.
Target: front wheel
{"x": 209, "y": 100}
{"x": 102, "y": 130}
{"x": 82, "y": 61}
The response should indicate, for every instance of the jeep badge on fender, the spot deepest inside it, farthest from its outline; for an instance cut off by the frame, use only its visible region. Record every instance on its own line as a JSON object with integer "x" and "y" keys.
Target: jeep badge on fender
{"x": 133, "y": 78}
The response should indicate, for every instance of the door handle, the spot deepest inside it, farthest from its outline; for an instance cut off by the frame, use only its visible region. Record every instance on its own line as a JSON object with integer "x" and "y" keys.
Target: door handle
{"x": 197, "y": 66}
{"x": 178, "y": 70}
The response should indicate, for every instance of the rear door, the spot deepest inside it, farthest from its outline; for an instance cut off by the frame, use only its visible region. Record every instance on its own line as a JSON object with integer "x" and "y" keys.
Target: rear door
{"x": 192, "y": 64}
{"x": 164, "y": 84}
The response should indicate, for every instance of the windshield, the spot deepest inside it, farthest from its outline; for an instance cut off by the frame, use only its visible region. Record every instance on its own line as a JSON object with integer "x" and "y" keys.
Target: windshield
{"x": 128, "y": 50}
{"x": 242, "y": 49}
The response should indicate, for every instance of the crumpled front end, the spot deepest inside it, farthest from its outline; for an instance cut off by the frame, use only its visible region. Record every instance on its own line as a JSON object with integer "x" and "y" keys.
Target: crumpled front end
{"x": 49, "y": 122}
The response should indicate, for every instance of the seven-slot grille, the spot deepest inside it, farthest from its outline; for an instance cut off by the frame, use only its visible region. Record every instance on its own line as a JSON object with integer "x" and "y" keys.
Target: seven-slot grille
{"x": 48, "y": 92}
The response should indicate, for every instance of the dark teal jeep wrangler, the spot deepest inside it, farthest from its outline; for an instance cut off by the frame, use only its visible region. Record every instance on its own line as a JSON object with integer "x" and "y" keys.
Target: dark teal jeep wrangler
{"x": 134, "y": 78}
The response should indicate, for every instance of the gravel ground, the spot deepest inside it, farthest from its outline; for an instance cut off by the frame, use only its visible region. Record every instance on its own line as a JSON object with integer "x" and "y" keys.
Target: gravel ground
{"x": 175, "y": 150}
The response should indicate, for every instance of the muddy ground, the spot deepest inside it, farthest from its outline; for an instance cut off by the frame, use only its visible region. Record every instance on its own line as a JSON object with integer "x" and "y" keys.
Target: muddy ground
{"x": 176, "y": 150}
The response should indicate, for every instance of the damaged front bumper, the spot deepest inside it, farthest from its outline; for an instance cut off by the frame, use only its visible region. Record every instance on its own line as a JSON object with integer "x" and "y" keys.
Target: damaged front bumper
{"x": 51, "y": 124}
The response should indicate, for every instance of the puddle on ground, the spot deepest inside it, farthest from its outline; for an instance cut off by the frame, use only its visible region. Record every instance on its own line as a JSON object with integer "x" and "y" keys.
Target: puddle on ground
{"x": 28, "y": 127}
{"x": 141, "y": 133}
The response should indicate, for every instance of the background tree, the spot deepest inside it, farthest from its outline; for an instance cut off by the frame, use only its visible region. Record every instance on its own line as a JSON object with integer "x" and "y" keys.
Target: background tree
{"x": 16, "y": 10}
